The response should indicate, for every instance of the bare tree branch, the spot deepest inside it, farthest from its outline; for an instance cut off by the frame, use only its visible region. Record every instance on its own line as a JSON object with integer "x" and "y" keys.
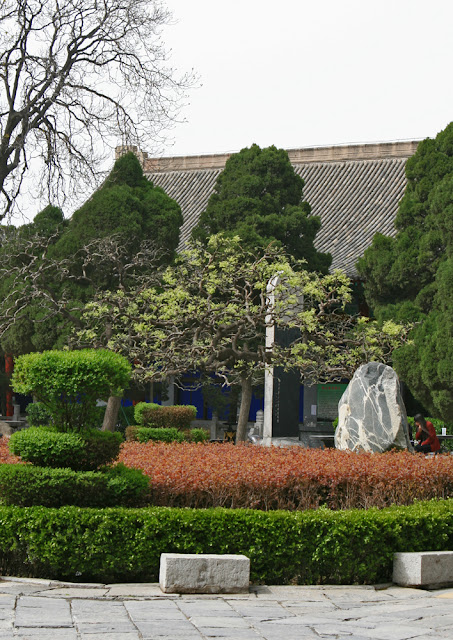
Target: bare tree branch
{"x": 77, "y": 75}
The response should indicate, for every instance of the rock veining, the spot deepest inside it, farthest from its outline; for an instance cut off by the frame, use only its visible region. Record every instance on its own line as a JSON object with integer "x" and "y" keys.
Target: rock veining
{"x": 371, "y": 412}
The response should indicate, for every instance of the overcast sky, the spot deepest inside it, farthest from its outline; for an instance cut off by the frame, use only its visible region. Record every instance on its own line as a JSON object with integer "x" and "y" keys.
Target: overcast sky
{"x": 298, "y": 73}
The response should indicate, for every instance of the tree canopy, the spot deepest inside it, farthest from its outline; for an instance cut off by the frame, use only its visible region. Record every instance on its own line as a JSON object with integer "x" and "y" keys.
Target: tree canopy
{"x": 258, "y": 197}
{"x": 76, "y": 76}
{"x": 409, "y": 277}
{"x": 129, "y": 205}
{"x": 210, "y": 310}
{"x": 52, "y": 266}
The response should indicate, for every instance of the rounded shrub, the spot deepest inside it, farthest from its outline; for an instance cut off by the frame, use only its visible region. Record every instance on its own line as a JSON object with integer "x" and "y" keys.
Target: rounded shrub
{"x": 85, "y": 451}
{"x": 45, "y": 447}
{"x": 69, "y": 383}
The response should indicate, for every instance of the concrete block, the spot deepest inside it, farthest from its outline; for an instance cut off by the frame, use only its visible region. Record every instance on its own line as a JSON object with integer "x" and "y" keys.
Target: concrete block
{"x": 424, "y": 568}
{"x": 204, "y": 573}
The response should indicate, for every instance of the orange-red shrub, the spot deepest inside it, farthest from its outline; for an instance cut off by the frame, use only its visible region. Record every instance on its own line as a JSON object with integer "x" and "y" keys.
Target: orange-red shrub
{"x": 5, "y": 455}
{"x": 194, "y": 475}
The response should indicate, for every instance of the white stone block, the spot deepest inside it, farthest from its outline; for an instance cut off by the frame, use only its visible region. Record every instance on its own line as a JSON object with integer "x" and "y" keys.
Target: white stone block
{"x": 204, "y": 573}
{"x": 423, "y": 568}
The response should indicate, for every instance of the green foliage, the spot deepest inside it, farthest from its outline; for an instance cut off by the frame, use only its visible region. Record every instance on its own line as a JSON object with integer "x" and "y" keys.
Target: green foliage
{"x": 176, "y": 416}
{"x": 68, "y": 383}
{"x": 311, "y": 547}
{"x": 410, "y": 277}
{"x": 27, "y": 485}
{"x": 198, "y": 435}
{"x": 50, "y": 268}
{"x": 101, "y": 447}
{"x": 140, "y": 408}
{"x": 131, "y": 205}
{"x": 45, "y": 447}
{"x": 37, "y": 415}
{"x": 159, "y": 434}
{"x": 258, "y": 197}
{"x": 210, "y": 311}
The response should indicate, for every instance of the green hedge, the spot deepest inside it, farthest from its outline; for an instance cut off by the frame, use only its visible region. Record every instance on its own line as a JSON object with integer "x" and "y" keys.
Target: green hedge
{"x": 27, "y": 485}
{"x": 310, "y": 547}
{"x": 156, "y": 415}
{"x": 159, "y": 434}
{"x": 84, "y": 450}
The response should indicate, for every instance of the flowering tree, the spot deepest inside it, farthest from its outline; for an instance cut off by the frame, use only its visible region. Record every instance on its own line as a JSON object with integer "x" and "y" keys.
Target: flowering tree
{"x": 210, "y": 311}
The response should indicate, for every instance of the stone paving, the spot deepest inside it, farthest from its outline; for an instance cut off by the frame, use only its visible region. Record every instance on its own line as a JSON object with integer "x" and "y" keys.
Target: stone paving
{"x": 49, "y": 610}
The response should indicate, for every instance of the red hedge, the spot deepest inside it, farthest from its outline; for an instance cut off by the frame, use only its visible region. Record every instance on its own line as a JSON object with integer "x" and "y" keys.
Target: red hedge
{"x": 196, "y": 475}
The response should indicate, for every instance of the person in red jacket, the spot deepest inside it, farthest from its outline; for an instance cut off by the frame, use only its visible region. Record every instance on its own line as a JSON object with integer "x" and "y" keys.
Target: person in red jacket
{"x": 426, "y": 435}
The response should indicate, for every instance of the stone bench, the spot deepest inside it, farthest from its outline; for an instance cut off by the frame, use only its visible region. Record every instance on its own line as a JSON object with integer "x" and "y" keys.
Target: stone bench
{"x": 423, "y": 568}
{"x": 204, "y": 573}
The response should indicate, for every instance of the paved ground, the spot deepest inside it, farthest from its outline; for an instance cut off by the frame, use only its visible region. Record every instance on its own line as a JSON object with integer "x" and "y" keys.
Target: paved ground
{"x": 45, "y": 610}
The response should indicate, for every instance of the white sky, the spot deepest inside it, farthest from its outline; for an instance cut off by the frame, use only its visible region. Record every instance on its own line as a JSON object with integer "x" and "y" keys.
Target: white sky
{"x": 298, "y": 73}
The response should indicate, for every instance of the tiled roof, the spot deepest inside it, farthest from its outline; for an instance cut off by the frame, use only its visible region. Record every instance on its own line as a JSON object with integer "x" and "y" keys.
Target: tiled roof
{"x": 354, "y": 189}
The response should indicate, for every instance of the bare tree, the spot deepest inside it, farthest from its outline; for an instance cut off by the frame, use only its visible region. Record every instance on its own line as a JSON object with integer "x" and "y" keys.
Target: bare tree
{"x": 77, "y": 75}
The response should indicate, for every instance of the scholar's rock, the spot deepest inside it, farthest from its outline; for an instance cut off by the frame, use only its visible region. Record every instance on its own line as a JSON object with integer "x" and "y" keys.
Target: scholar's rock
{"x": 371, "y": 411}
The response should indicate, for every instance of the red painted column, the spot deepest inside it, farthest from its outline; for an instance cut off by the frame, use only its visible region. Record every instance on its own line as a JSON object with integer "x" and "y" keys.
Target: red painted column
{"x": 9, "y": 366}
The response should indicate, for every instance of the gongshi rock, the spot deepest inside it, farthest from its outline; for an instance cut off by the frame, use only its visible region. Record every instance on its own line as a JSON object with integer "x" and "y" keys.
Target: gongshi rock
{"x": 371, "y": 412}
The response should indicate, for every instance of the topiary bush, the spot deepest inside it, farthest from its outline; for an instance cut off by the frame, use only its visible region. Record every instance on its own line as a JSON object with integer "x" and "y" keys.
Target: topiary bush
{"x": 37, "y": 415}
{"x": 145, "y": 434}
{"x": 101, "y": 448}
{"x": 69, "y": 383}
{"x": 48, "y": 448}
{"x": 45, "y": 447}
{"x": 28, "y": 485}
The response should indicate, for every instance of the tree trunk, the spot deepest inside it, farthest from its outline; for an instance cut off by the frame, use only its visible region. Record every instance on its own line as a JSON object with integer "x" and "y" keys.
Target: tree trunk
{"x": 111, "y": 413}
{"x": 246, "y": 399}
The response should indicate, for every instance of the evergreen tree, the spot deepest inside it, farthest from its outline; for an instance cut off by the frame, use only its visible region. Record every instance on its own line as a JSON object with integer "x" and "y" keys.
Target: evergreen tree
{"x": 410, "y": 277}
{"x": 258, "y": 197}
{"x": 129, "y": 205}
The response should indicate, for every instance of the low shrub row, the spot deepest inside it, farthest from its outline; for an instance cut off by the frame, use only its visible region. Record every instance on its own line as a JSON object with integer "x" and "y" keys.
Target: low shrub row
{"x": 189, "y": 475}
{"x": 165, "y": 434}
{"x": 28, "y": 485}
{"x": 149, "y": 414}
{"x": 311, "y": 547}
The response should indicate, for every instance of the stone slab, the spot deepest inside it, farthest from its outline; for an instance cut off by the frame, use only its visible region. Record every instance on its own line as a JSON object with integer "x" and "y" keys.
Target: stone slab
{"x": 204, "y": 573}
{"x": 423, "y": 568}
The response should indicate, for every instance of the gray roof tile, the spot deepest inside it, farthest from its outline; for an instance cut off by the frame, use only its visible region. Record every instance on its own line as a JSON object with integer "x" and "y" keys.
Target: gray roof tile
{"x": 355, "y": 190}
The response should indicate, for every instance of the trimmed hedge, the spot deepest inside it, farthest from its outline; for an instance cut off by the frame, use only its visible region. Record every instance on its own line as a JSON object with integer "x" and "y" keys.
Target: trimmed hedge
{"x": 84, "y": 450}
{"x": 159, "y": 434}
{"x": 27, "y": 485}
{"x": 47, "y": 448}
{"x": 311, "y": 547}
{"x": 155, "y": 415}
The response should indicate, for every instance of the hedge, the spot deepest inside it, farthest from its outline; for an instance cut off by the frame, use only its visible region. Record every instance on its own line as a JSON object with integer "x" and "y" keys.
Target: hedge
{"x": 251, "y": 477}
{"x": 155, "y": 415}
{"x": 311, "y": 547}
{"x": 27, "y": 485}
{"x": 85, "y": 450}
{"x": 159, "y": 434}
